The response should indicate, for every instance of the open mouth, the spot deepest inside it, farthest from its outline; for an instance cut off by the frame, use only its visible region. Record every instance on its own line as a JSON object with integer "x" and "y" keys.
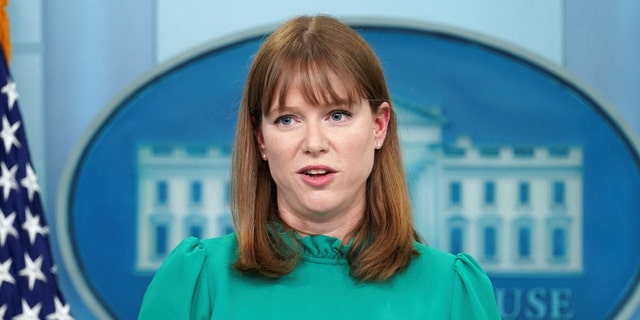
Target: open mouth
{"x": 316, "y": 172}
{"x": 317, "y": 176}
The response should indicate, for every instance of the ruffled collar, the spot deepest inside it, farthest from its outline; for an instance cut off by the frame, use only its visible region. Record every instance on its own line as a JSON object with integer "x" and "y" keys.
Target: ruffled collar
{"x": 323, "y": 249}
{"x": 315, "y": 248}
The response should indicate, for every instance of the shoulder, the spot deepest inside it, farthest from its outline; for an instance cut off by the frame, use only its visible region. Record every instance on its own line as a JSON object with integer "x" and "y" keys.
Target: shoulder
{"x": 193, "y": 259}
{"x": 442, "y": 259}
{"x": 432, "y": 258}
{"x": 213, "y": 245}
{"x": 448, "y": 268}
{"x": 461, "y": 277}
{"x": 182, "y": 281}
{"x": 192, "y": 253}
{"x": 222, "y": 249}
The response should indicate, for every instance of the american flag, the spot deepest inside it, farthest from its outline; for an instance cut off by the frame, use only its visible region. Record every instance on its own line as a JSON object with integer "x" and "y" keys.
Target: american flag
{"x": 28, "y": 286}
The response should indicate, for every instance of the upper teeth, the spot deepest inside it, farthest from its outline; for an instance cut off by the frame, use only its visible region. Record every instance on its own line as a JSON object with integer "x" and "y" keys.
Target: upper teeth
{"x": 316, "y": 171}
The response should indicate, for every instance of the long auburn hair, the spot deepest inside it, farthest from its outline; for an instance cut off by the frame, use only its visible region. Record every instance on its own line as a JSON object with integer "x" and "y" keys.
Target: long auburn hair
{"x": 307, "y": 50}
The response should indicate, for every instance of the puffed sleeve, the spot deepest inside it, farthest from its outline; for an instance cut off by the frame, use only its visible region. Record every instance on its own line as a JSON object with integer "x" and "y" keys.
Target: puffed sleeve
{"x": 473, "y": 296}
{"x": 179, "y": 288}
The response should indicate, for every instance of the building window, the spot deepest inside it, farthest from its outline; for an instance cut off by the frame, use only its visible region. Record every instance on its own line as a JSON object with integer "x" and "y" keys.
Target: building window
{"x": 490, "y": 225}
{"x": 524, "y": 152}
{"x": 197, "y": 150}
{"x": 489, "y": 152}
{"x": 457, "y": 227}
{"x": 195, "y": 224}
{"x": 457, "y": 240}
{"x": 196, "y": 231}
{"x": 161, "y": 244}
{"x": 162, "y": 193}
{"x": 559, "y": 244}
{"x": 523, "y": 193}
{"x": 196, "y": 192}
{"x": 524, "y": 242}
{"x": 160, "y": 235}
{"x": 453, "y": 151}
{"x": 455, "y": 193}
{"x": 523, "y": 227}
{"x": 558, "y": 228}
{"x": 490, "y": 243}
{"x": 559, "y": 152}
{"x": 489, "y": 193}
{"x": 559, "y": 193}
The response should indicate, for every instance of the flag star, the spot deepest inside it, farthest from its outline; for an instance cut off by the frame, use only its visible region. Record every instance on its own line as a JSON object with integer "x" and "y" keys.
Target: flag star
{"x": 29, "y": 313}
{"x": 33, "y": 270}
{"x": 30, "y": 182}
{"x": 8, "y": 179}
{"x": 6, "y": 227}
{"x": 10, "y": 89}
{"x": 5, "y": 273}
{"x": 3, "y": 310}
{"x": 62, "y": 311}
{"x": 32, "y": 226}
{"x": 8, "y": 134}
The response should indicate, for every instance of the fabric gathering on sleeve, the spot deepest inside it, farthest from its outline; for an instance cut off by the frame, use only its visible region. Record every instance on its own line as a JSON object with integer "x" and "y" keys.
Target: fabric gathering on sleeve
{"x": 473, "y": 295}
{"x": 179, "y": 283}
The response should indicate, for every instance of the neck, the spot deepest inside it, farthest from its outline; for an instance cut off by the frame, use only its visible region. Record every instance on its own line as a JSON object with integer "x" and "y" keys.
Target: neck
{"x": 337, "y": 226}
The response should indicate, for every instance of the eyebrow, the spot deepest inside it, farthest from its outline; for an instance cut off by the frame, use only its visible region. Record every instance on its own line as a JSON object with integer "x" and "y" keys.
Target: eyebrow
{"x": 345, "y": 104}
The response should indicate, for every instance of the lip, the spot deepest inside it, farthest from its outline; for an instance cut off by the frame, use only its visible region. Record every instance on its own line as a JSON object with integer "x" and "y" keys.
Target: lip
{"x": 317, "y": 181}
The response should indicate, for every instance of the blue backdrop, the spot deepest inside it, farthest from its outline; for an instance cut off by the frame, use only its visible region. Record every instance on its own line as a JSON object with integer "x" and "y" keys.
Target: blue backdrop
{"x": 493, "y": 95}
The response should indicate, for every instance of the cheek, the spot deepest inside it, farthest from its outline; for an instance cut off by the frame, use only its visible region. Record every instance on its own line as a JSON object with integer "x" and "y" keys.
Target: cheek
{"x": 363, "y": 139}
{"x": 279, "y": 148}
{"x": 362, "y": 150}
{"x": 269, "y": 140}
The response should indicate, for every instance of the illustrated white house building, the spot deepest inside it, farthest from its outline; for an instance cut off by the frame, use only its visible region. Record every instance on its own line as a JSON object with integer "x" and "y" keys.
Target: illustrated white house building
{"x": 517, "y": 209}
{"x": 182, "y": 191}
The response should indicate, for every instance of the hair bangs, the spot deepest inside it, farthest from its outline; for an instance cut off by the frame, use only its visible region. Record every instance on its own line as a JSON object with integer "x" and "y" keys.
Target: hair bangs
{"x": 319, "y": 82}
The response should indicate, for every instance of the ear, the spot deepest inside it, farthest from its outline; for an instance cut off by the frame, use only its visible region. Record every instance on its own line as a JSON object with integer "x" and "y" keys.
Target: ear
{"x": 381, "y": 122}
{"x": 257, "y": 132}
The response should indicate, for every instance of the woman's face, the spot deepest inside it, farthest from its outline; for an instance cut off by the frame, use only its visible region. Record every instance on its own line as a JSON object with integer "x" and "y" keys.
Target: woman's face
{"x": 321, "y": 156}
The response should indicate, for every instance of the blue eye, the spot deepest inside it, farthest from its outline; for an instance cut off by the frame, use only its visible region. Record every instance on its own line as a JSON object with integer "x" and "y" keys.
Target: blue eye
{"x": 339, "y": 115}
{"x": 284, "y": 120}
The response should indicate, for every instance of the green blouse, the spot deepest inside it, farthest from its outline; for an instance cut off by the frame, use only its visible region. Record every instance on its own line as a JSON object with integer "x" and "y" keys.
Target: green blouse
{"x": 198, "y": 281}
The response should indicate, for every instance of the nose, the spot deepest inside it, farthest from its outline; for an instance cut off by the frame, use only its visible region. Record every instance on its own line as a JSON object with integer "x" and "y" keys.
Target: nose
{"x": 315, "y": 139}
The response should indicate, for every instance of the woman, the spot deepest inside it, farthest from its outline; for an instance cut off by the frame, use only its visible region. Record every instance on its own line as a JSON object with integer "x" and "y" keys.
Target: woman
{"x": 319, "y": 200}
